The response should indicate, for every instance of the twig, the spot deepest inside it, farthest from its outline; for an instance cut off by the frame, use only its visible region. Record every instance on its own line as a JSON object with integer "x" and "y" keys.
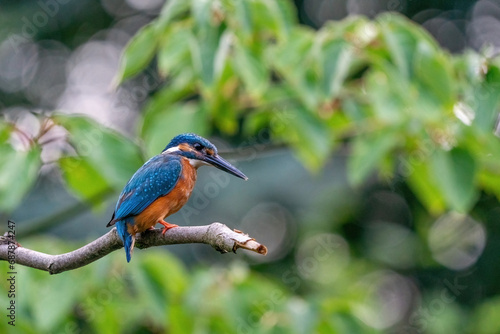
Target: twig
{"x": 217, "y": 235}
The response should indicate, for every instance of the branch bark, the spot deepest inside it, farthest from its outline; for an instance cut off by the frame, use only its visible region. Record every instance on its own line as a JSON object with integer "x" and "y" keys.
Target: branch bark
{"x": 217, "y": 235}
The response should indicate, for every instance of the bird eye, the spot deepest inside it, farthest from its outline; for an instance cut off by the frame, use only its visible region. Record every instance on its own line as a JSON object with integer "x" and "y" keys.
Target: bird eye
{"x": 198, "y": 146}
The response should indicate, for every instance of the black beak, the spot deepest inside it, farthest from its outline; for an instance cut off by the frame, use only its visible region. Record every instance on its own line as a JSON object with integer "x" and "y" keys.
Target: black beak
{"x": 217, "y": 161}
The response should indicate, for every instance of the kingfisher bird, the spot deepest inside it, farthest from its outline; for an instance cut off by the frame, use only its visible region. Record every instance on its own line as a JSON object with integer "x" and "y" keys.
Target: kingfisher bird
{"x": 163, "y": 185}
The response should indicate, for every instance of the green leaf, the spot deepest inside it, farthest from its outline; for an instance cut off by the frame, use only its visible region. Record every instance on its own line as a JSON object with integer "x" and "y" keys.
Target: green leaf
{"x": 265, "y": 18}
{"x": 203, "y": 51}
{"x": 84, "y": 180}
{"x": 221, "y": 100}
{"x": 486, "y": 99}
{"x": 5, "y": 131}
{"x": 486, "y": 148}
{"x": 162, "y": 125}
{"x": 243, "y": 18}
{"x": 400, "y": 36}
{"x": 265, "y": 15}
{"x": 287, "y": 55}
{"x": 51, "y": 307}
{"x": 469, "y": 66}
{"x": 421, "y": 181}
{"x": 482, "y": 319}
{"x": 174, "y": 50}
{"x": 181, "y": 87}
{"x": 115, "y": 157}
{"x": 179, "y": 320}
{"x": 367, "y": 153}
{"x": 390, "y": 94}
{"x": 286, "y": 14}
{"x": 251, "y": 70}
{"x": 171, "y": 10}
{"x": 138, "y": 53}
{"x": 222, "y": 55}
{"x": 308, "y": 135}
{"x": 201, "y": 10}
{"x": 158, "y": 265}
{"x": 433, "y": 71}
{"x": 294, "y": 61}
{"x": 256, "y": 121}
{"x": 400, "y": 43}
{"x": 490, "y": 182}
{"x": 160, "y": 104}
{"x": 18, "y": 173}
{"x": 337, "y": 57}
{"x": 454, "y": 173}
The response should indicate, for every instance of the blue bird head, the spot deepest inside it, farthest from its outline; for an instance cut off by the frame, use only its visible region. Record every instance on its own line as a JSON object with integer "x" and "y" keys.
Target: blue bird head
{"x": 200, "y": 151}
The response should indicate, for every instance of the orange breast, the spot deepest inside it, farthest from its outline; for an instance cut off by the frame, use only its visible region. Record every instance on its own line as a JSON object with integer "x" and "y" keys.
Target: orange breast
{"x": 170, "y": 203}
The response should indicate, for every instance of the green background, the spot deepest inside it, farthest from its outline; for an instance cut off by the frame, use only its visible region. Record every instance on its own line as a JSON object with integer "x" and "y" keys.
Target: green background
{"x": 369, "y": 144}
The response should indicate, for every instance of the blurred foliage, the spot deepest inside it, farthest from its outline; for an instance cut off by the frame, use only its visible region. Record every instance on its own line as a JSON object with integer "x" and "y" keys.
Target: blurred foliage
{"x": 383, "y": 88}
{"x": 407, "y": 106}
{"x": 166, "y": 297}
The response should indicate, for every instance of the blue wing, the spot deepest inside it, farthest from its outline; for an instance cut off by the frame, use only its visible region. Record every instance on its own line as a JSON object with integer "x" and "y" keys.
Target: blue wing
{"x": 156, "y": 178}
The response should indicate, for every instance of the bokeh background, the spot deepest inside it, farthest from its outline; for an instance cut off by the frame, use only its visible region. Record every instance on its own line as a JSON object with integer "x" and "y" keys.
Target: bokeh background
{"x": 370, "y": 258}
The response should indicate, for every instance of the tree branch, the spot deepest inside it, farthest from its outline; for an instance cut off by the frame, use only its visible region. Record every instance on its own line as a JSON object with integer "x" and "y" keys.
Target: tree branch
{"x": 217, "y": 235}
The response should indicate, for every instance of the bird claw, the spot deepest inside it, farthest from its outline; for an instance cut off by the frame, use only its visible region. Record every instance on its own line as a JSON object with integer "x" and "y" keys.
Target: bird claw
{"x": 168, "y": 226}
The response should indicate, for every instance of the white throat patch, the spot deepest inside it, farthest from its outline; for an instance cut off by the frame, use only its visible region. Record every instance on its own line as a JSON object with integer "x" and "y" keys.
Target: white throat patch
{"x": 197, "y": 163}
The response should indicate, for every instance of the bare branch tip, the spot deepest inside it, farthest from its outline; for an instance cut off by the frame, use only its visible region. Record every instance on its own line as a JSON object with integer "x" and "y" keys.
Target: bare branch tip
{"x": 262, "y": 250}
{"x": 251, "y": 245}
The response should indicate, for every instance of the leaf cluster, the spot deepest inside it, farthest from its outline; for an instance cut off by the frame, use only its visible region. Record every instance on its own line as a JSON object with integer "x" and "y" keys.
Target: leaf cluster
{"x": 406, "y": 107}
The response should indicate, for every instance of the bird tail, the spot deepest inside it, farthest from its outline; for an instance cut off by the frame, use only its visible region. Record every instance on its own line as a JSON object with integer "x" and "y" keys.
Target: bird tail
{"x": 127, "y": 238}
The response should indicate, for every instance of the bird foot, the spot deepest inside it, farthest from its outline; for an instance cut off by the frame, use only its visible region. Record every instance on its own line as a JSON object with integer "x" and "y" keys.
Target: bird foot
{"x": 168, "y": 226}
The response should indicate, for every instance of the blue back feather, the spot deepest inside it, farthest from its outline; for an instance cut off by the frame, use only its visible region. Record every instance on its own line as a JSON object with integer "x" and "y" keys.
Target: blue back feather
{"x": 156, "y": 178}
